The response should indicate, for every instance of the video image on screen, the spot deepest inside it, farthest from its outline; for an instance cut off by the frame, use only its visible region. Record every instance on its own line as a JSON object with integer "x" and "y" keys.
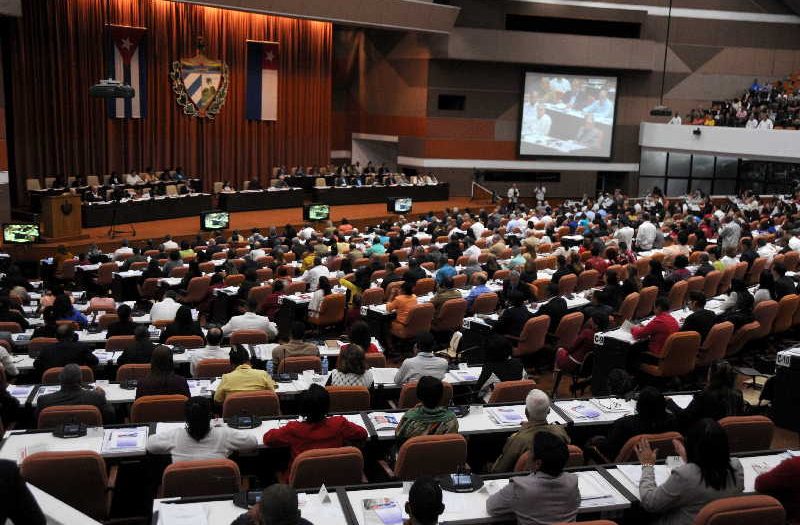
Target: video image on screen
{"x": 20, "y": 233}
{"x": 318, "y": 212}
{"x": 216, "y": 220}
{"x": 402, "y": 205}
{"x": 567, "y": 115}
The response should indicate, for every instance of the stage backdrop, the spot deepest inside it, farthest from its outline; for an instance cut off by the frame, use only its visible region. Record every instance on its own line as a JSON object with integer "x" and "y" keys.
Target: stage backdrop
{"x": 58, "y": 52}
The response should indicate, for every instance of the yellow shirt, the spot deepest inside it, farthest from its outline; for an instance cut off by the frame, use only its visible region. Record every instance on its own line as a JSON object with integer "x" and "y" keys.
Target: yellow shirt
{"x": 308, "y": 262}
{"x": 245, "y": 378}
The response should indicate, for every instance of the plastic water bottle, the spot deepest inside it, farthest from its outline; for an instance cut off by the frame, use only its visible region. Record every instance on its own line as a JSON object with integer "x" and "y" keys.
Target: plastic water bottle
{"x": 325, "y": 365}
{"x": 270, "y": 367}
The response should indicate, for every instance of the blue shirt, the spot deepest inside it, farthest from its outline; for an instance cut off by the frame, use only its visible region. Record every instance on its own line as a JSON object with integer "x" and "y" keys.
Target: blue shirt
{"x": 443, "y": 272}
{"x": 475, "y": 292}
{"x": 77, "y": 317}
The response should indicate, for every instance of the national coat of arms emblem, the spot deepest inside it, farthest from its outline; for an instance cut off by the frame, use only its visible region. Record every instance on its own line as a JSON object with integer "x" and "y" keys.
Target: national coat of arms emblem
{"x": 200, "y": 83}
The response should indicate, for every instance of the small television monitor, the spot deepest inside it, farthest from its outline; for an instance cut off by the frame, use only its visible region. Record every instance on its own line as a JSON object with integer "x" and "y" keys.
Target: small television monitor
{"x": 214, "y": 220}
{"x": 399, "y": 205}
{"x": 21, "y": 233}
{"x": 316, "y": 212}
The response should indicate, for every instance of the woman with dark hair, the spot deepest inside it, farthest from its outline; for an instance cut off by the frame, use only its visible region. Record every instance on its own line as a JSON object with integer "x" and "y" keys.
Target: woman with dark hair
{"x": 9, "y": 315}
{"x": 766, "y": 287}
{"x": 360, "y": 335}
{"x": 162, "y": 379}
{"x": 198, "y": 439}
{"x": 498, "y": 363}
{"x": 315, "y": 429}
{"x": 183, "y": 325}
{"x": 323, "y": 290}
{"x": 655, "y": 277}
{"x": 153, "y": 271}
{"x": 124, "y": 325}
{"x": 351, "y": 368}
{"x": 708, "y": 474}
{"x": 631, "y": 283}
{"x": 402, "y": 303}
{"x": 48, "y": 329}
{"x": 738, "y": 307}
{"x": 271, "y": 303}
{"x": 191, "y": 273}
{"x": 720, "y": 398}
{"x": 64, "y": 311}
{"x": 571, "y": 359}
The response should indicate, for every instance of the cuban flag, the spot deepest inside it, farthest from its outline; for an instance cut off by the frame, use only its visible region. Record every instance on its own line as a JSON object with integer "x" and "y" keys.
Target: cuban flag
{"x": 262, "y": 81}
{"x": 127, "y": 63}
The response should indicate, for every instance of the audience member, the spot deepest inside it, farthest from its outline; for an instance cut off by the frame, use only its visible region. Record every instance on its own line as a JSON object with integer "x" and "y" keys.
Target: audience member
{"x": 162, "y": 379}
{"x": 244, "y": 377}
{"x": 429, "y": 417}
{"x": 424, "y": 363}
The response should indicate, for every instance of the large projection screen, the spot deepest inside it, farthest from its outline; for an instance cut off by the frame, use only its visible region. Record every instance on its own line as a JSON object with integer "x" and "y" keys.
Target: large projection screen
{"x": 567, "y": 115}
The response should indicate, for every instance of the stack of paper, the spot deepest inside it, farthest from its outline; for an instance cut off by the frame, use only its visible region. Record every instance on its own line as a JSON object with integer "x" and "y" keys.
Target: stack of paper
{"x": 182, "y": 514}
{"x": 611, "y": 405}
{"x": 384, "y": 420}
{"x": 634, "y": 473}
{"x": 590, "y": 489}
{"x": 121, "y": 440}
{"x": 383, "y": 376}
{"x": 584, "y": 411}
{"x": 506, "y": 416}
{"x": 199, "y": 387}
{"x": 382, "y": 511}
{"x": 464, "y": 375}
{"x": 21, "y": 392}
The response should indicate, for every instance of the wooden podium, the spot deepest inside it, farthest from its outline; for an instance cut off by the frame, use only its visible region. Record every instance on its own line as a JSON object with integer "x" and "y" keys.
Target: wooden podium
{"x": 61, "y": 217}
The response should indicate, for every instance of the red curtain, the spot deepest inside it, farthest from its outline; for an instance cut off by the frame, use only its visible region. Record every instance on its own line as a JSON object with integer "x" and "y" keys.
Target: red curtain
{"x": 59, "y": 51}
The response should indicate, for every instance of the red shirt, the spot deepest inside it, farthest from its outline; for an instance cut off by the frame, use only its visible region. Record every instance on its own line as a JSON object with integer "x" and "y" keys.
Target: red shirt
{"x": 583, "y": 344}
{"x": 781, "y": 483}
{"x": 658, "y": 329}
{"x": 371, "y": 350}
{"x": 300, "y": 436}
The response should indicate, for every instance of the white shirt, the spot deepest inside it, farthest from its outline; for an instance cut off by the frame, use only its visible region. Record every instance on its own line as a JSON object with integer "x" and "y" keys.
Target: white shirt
{"x": 257, "y": 254}
{"x": 477, "y": 229}
{"x": 306, "y": 233}
{"x": 751, "y": 124}
{"x": 315, "y": 304}
{"x": 765, "y": 124}
{"x": 312, "y": 276}
{"x": 729, "y": 261}
{"x": 472, "y": 251}
{"x": 218, "y": 444}
{"x": 539, "y": 126}
{"x": 207, "y": 352}
{"x": 513, "y": 193}
{"x": 170, "y": 245}
{"x": 794, "y": 242}
{"x": 646, "y": 235}
{"x": 250, "y": 321}
{"x": 122, "y": 250}
{"x": 768, "y": 251}
{"x": 164, "y": 310}
{"x": 624, "y": 234}
{"x": 131, "y": 178}
{"x": 676, "y": 121}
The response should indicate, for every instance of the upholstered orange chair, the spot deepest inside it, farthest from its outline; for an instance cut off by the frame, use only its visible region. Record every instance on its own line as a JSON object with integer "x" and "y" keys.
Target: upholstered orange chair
{"x": 132, "y": 371}
{"x": 149, "y": 288}
{"x": 485, "y": 303}
{"x": 204, "y": 477}
{"x": 50, "y": 376}
{"x": 213, "y": 367}
{"x": 740, "y": 270}
{"x": 647, "y": 299}
{"x": 420, "y": 318}
{"x": 36, "y": 345}
{"x": 78, "y": 478}
{"x": 677, "y": 295}
{"x": 197, "y": 290}
{"x": 787, "y": 308}
{"x": 754, "y": 274}
{"x": 430, "y": 456}
{"x": 567, "y": 284}
{"x": 117, "y": 343}
{"x": 259, "y": 293}
{"x": 748, "y": 433}
{"x": 533, "y": 336}
{"x": 678, "y": 357}
{"x": 424, "y": 286}
{"x": 186, "y": 341}
{"x": 587, "y": 279}
{"x": 511, "y": 391}
{"x": 107, "y": 320}
{"x": 233, "y": 280}
{"x": 568, "y": 328}
{"x": 765, "y": 313}
{"x": 329, "y": 466}
{"x": 451, "y": 315}
{"x": 375, "y": 360}
{"x": 297, "y": 364}
{"x": 372, "y": 296}
{"x": 627, "y": 309}
{"x": 725, "y": 281}
{"x": 260, "y": 403}
{"x": 105, "y": 275}
{"x": 715, "y": 345}
{"x": 331, "y": 311}
{"x": 157, "y": 409}
{"x": 711, "y": 283}
{"x": 408, "y": 395}
{"x": 51, "y": 417}
{"x": 179, "y": 272}
{"x": 523, "y": 463}
{"x": 742, "y": 510}
{"x": 349, "y": 398}
{"x": 249, "y": 337}
{"x": 695, "y": 284}
{"x": 661, "y": 443}
{"x": 741, "y": 337}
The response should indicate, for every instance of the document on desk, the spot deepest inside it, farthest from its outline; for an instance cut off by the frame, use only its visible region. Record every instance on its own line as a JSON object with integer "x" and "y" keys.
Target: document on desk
{"x": 116, "y": 440}
{"x": 506, "y": 416}
{"x": 612, "y": 405}
{"x": 464, "y": 375}
{"x": 21, "y": 392}
{"x": 384, "y": 420}
{"x": 383, "y": 376}
{"x": 199, "y": 387}
{"x": 590, "y": 488}
{"x": 44, "y": 390}
{"x": 382, "y": 511}
{"x": 583, "y": 410}
{"x": 634, "y": 473}
{"x": 182, "y": 514}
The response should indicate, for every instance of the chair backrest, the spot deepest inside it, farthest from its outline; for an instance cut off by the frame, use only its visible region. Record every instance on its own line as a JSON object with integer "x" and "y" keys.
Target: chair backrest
{"x": 661, "y": 443}
{"x": 149, "y": 288}
{"x": 523, "y": 463}
{"x": 157, "y": 409}
{"x": 431, "y": 456}
{"x": 51, "y": 417}
{"x": 10, "y": 326}
{"x": 102, "y": 304}
{"x": 741, "y": 337}
{"x": 332, "y": 309}
{"x": 748, "y": 433}
{"x": 375, "y": 360}
{"x": 511, "y": 391}
{"x": 765, "y": 313}
{"x": 725, "y": 280}
{"x": 297, "y": 364}
{"x": 424, "y": 286}
{"x": 349, "y": 398}
{"x": 787, "y": 308}
{"x": 204, "y": 477}
{"x": 587, "y": 279}
{"x": 568, "y": 328}
{"x": 120, "y": 342}
{"x": 628, "y": 307}
{"x": 533, "y": 336}
{"x": 107, "y": 320}
{"x": 105, "y": 274}
{"x": 711, "y": 283}
{"x": 754, "y": 274}
{"x": 372, "y": 296}
{"x": 408, "y": 395}
{"x": 460, "y": 280}
{"x": 742, "y": 510}
{"x": 213, "y": 367}
{"x": 716, "y": 344}
{"x": 260, "y": 403}
{"x": 50, "y": 376}
{"x": 197, "y": 289}
{"x": 677, "y": 295}
{"x": 186, "y": 341}
{"x": 485, "y": 303}
{"x": 567, "y": 284}
{"x": 132, "y": 371}
{"x": 420, "y": 317}
{"x": 695, "y": 284}
{"x": 679, "y": 354}
{"x": 647, "y": 298}
{"x": 249, "y": 337}
{"x": 451, "y": 315}
{"x": 329, "y": 466}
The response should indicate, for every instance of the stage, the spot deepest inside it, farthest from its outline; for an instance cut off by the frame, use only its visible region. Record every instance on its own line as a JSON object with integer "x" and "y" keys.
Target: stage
{"x": 187, "y": 227}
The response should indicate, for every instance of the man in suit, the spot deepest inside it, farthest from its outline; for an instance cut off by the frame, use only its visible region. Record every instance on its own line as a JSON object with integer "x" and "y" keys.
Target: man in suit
{"x": 700, "y": 320}
{"x": 705, "y": 266}
{"x": 514, "y": 317}
{"x": 444, "y": 293}
{"x": 556, "y": 307}
{"x": 783, "y": 285}
{"x": 72, "y": 393}
{"x": 67, "y": 350}
{"x": 561, "y": 270}
{"x": 141, "y": 352}
{"x": 514, "y": 284}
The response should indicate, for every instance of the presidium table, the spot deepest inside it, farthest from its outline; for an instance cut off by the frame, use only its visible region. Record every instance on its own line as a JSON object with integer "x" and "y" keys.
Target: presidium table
{"x": 154, "y": 209}
{"x": 250, "y": 200}
{"x": 372, "y": 194}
